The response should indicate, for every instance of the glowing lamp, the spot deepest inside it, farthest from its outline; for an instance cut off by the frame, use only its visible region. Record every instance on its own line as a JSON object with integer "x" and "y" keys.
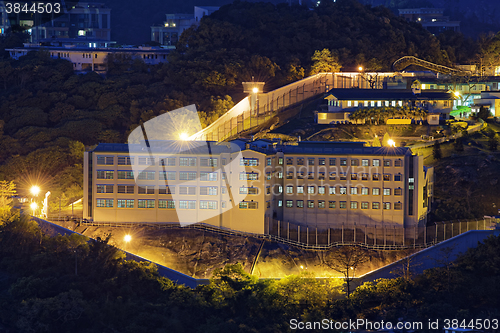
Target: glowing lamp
{"x": 184, "y": 136}
{"x": 391, "y": 143}
{"x": 35, "y": 190}
{"x": 127, "y": 238}
{"x": 255, "y": 90}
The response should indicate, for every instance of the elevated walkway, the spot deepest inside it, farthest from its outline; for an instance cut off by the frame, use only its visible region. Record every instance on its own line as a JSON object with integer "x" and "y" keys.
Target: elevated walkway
{"x": 408, "y": 61}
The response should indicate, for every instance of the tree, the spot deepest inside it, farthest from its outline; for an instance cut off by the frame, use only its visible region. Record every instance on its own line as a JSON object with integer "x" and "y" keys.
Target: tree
{"x": 385, "y": 140}
{"x": 7, "y": 190}
{"x": 324, "y": 62}
{"x": 436, "y": 150}
{"x": 483, "y": 113}
{"x": 376, "y": 142}
{"x": 346, "y": 260}
{"x": 458, "y": 145}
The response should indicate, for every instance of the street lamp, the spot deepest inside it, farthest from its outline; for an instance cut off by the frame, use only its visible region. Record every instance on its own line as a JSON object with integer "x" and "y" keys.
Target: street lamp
{"x": 35, "y": 190}
{"x": 360, "y": 68}
{"x": 127, "y": 238}
{"x": 184, "y": 136}
{"x": 33, "y": 207}
{"x": 391, "y": 143}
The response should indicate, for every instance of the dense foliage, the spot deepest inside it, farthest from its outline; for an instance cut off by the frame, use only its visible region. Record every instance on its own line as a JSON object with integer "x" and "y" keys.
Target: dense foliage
{"x": 70, "y": 284}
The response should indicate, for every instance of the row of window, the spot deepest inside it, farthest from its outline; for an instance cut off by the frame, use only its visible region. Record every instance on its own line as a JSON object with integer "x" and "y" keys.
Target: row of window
{"x": 187, "y": 190}
{"x": 342, "y": 161}
{"x": 333, "y": 176}
{"x": 332, "y": 190}
{"x": 341, "y": 204}
{"x": 163, "y": 175}
{"x": 167, "y": 161}
{"x": 169, "y": 204}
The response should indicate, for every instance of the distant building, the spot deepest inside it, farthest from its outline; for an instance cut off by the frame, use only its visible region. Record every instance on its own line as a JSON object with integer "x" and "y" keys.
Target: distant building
{"x": 313, "y": 184}
{"x": 84, "y": 19}
{"x": 174, "y": 25}
{"x": 489, "y": 100}
{"x": 342, "y": 102}
{"x": 431, "y": 19}
{"x": 90, "y": 58}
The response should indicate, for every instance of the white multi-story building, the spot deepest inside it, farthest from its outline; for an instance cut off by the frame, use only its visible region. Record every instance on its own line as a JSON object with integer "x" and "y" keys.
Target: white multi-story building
{"x": 315, "y": 184}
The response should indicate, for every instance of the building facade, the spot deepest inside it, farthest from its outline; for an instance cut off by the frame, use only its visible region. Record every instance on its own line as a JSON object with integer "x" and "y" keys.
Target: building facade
{"x": 314, "y": 184}
{"x": 83, "y": 19}
{"x": 431, "y": 19}
{"x": 174, "y": 25}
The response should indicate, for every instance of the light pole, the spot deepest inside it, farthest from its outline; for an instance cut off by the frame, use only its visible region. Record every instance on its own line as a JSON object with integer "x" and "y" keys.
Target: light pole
{"x": 33, "y": 207}
{"x": 127, "y": 240}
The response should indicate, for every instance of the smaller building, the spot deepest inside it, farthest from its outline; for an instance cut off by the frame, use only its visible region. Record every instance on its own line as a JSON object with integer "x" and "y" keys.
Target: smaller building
{"x": 431, "y": 19}
{"x": 174, "y": 25}
{"x": 92, "y": 59}
{"x": 342, "y": 102}
{"x": 489, "y": 100}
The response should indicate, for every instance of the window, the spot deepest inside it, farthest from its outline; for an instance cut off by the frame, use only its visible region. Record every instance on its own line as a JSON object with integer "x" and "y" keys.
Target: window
{"x": 187, "y": 190}
{"x": 125, "y": 175}
{"x": 125, "y": 203}
{"x": 300, "y": 174}
{"x": 300, "y": 161}
{"x": 289, "y": 203}
{"x": 375, "y": 205}
{"x": 208, "y": 176}
{"x": 146, "y": 161}
{"x": 300, "y": 203}
{"x": 105, "y": 160}
{"x": 376, "y": 163}
{"x": 310, "y": 161}
{"x": 223, "y": 204}
{"x": 375, "y": 176}
{"x": 398, "y": 206}
{"x": 387, "y": 205}
{"x": 248, "y": 205}
{"x": 310, "y": 190}
{"x": 387, "y": 191}
{"x": 187, "y": 161}
{"x": 208, "y": 162}
{"x": 331, "y": 204}
{"x": 310, "y": 203}
{"x": 108, "y": 203}
{"x": 224, "y": 161}
{"x": 268, "y": 190}
{"x": 246, "y": 190}
{"x": 310, "y": 175}
{"x": 289, "y": 175}
{"x": 364, "y": 176}
{"x": 289, "y": 189}
{"x": 387, "y": 163}
{"x": 268, "y": 161}
{"x": 343, "y": 190}
{"x": 333, "y": 175}
{"x": 280, "y": 203}
{"x": 354, "y": 162}
{"x": 321, "y": 190}
{"x": 122, "y": 160}
{"x": 343, "y": 175}
{"x": 146, "y": 190}
{"x": 321, "y": 161}
{"x": 375, "y": 191}
{"x": 208, "y": 204}
{"x": 280, "y": 162}
{"x": 248, "y": 176}
{"x": 332, "y": 161}
{"x": 169, "y": 161}
{"x": 268, "y": 176}
{"x": 343, "y": 161}
{"x": 365, "y": 191}
{"x": 102, "y": 174}
{"x": 398, "y": 163}
{"x": 167, "y": 175}
{"x": 249, "y": 161}
{"x": 354, "y": 176}
{"x": 365, "y": 162}
{"x": 321, "y": 204}
{"x": 187, "y": 204}
{"x": 387, "y": 177}
{"x": 166, "y": 190}
{"x": 343, "y": 204}
{"x": 398, "y": 191}
{"x": 147, "y": 175}
{"x": 332, "y": 190}
{"x": 189, "y": 175}
{"x": 289, "y": 161}
{"x": 321, "y": 176}
{"x": 354, "y": 190}
{"x": 300, "y": 189}
{"x": 213, "y": 190}
{"x": 354, "y": 205}
{"x": 397, "y": 178}
{"x": 126, "y": 189}
{"x": 104, "y": 188}
{"x": 280, "y": 188}
{"x": 279, "y": 174}
{"x": 364, "y": 205}
{"x": 166, "y": 204}
{"x": 145, "y": 203}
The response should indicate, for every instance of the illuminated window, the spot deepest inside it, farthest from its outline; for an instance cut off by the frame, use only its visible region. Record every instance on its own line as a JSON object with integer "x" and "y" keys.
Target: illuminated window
{"x": 300, "y": 203}
{"x": 331, "y": 204}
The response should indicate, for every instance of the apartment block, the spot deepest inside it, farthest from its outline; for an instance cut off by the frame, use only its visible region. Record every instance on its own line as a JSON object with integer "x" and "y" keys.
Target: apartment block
{"x": 315, "y": 184}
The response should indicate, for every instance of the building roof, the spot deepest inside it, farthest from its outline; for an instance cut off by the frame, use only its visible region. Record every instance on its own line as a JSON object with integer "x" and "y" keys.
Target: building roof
{"x": 389, "y": 94}
{"x": 92, "y": 49}
{"x": 215, "y": 148}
